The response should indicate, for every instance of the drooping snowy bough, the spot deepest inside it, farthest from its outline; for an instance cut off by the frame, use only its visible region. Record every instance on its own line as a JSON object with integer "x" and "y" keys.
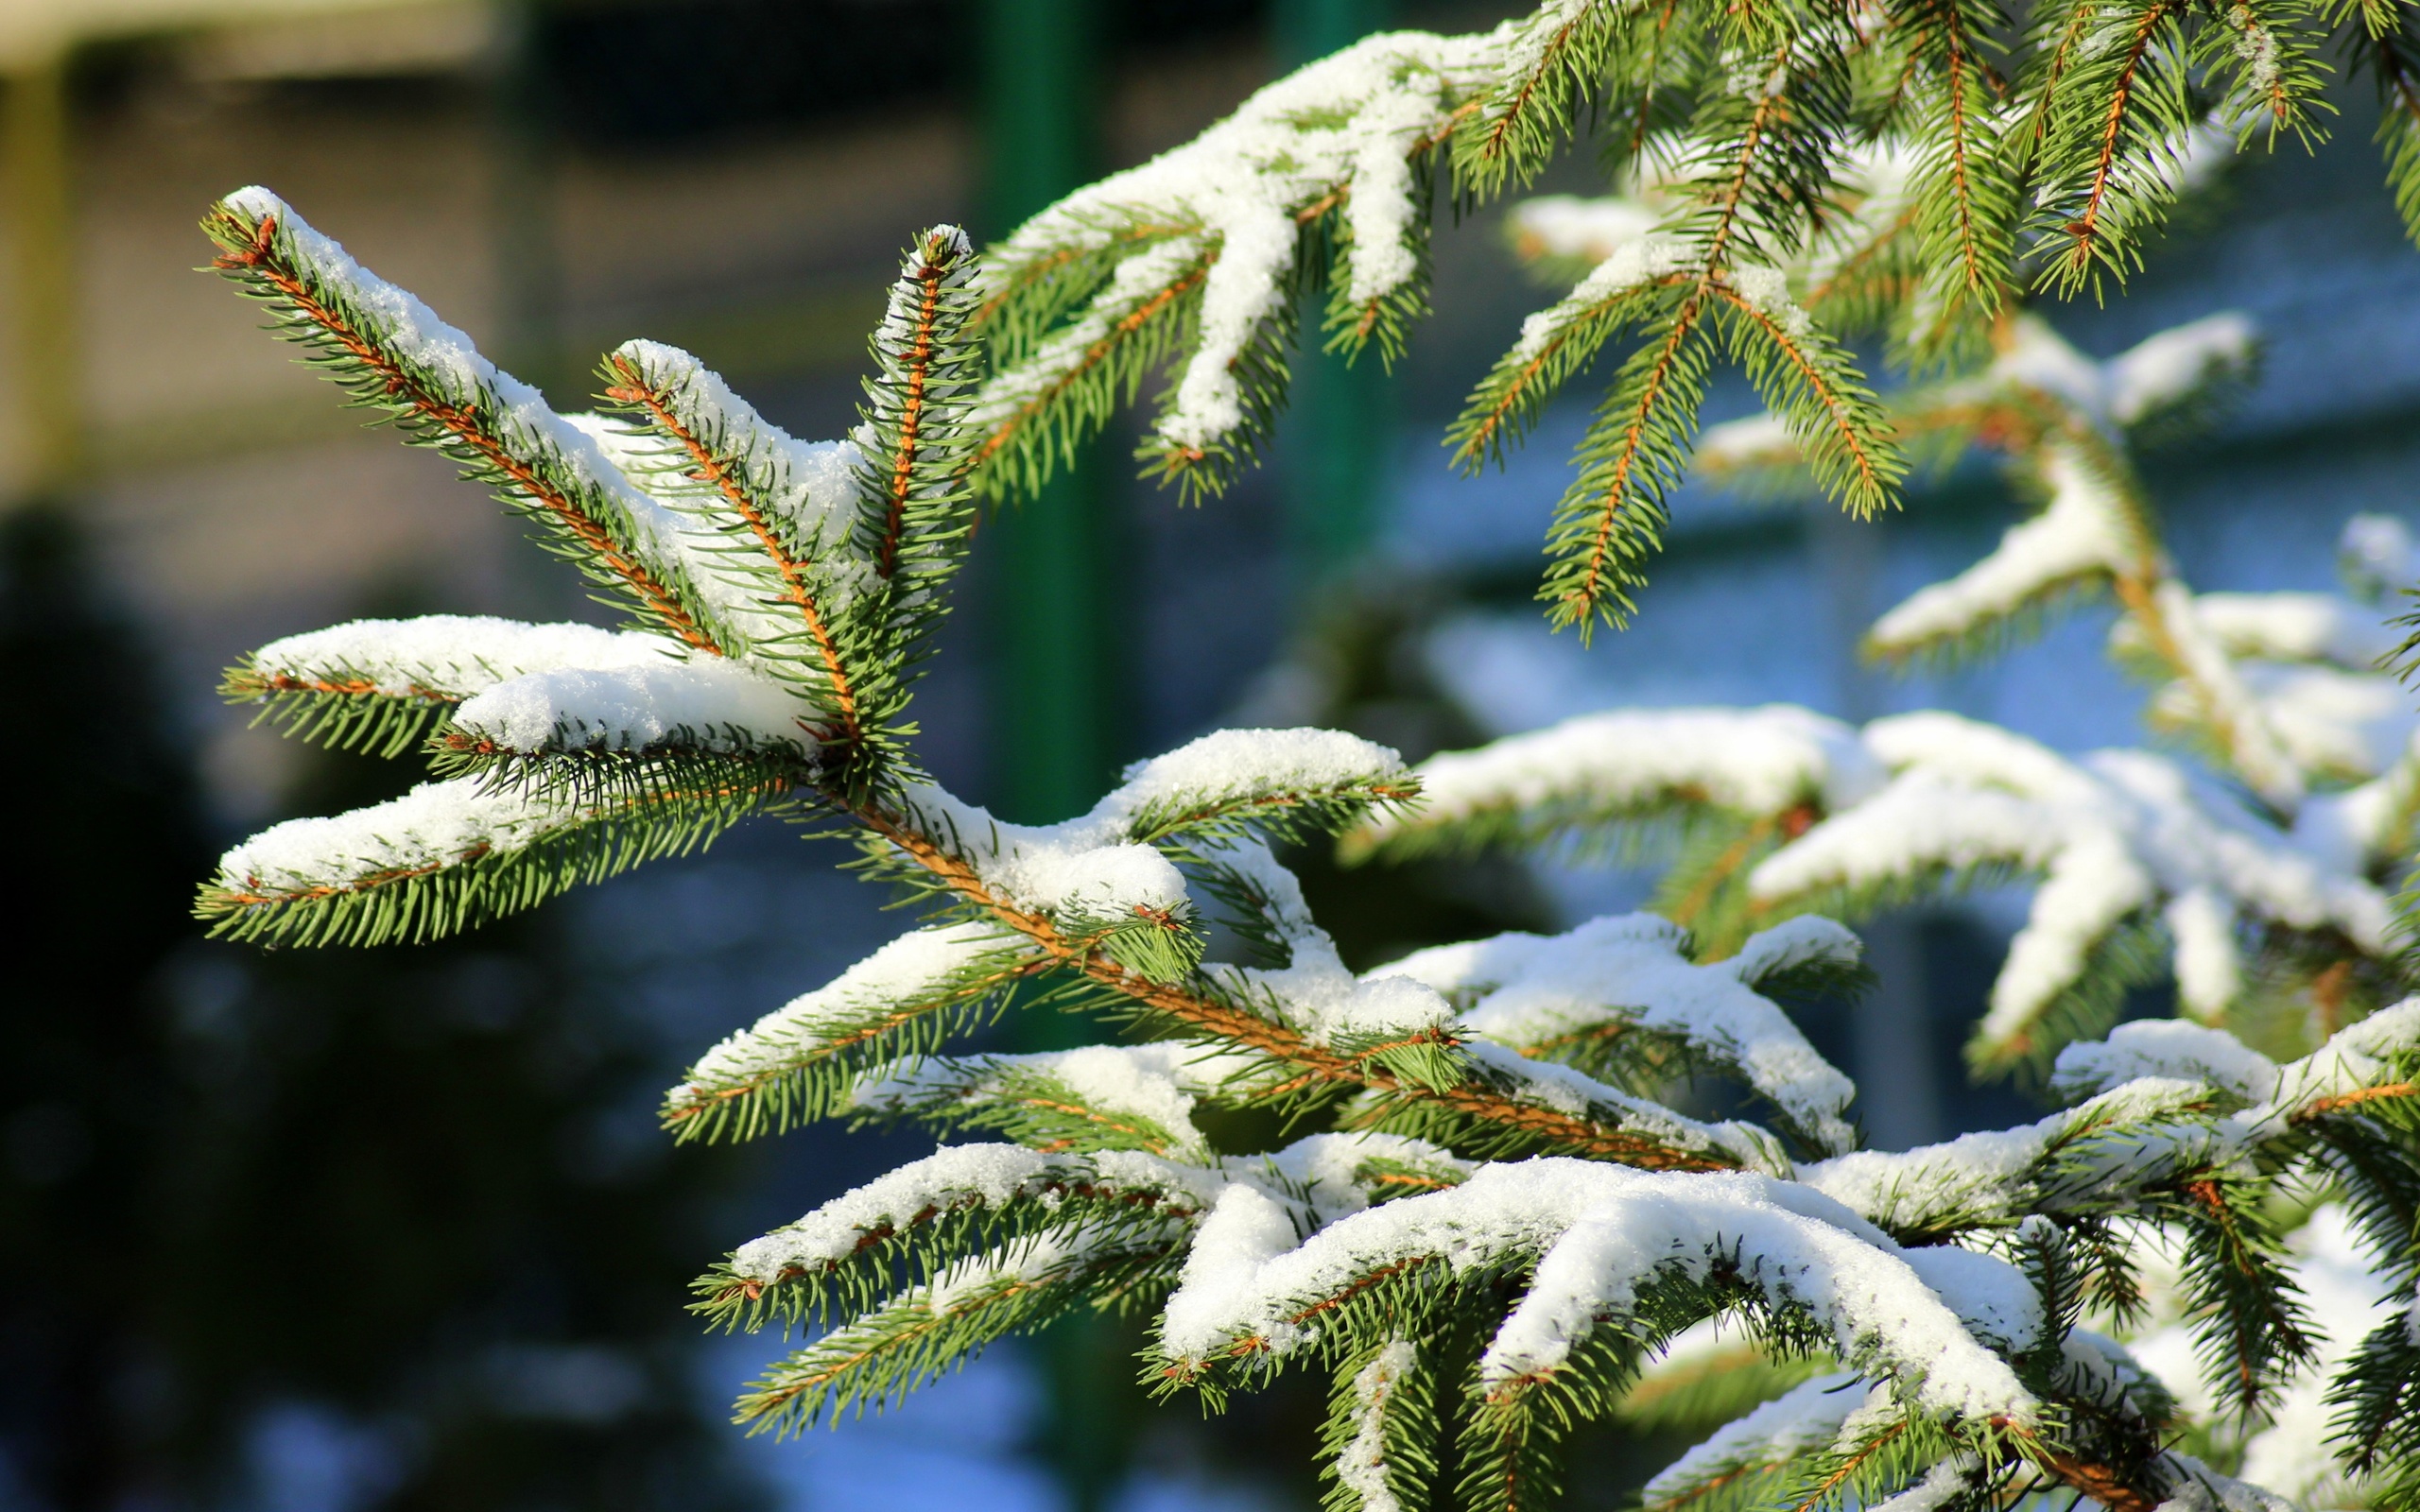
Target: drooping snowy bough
{"x": 1494, "y": 1221}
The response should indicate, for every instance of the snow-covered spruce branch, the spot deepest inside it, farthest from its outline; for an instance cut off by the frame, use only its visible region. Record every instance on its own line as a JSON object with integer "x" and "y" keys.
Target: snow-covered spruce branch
{"x": 1781, "y": 811}
{"x": 1898, "y": 171}
{"x": 1496, "y": 1219}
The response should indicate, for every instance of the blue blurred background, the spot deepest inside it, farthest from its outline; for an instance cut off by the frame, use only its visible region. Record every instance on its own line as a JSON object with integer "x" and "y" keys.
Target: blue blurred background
{"x": 321, "y": 1232}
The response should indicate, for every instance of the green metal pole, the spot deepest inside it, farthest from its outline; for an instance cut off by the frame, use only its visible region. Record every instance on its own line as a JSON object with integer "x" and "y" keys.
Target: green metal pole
{"x": 1052, "y": 654}
{"x": 34, "y": 140}
{"x": 1342, "y": 415}
{"x": 1052, "y": 651}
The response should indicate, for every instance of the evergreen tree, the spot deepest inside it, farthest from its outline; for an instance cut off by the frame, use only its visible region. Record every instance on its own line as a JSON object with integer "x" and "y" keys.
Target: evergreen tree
{"x": 1489, "y": 1217}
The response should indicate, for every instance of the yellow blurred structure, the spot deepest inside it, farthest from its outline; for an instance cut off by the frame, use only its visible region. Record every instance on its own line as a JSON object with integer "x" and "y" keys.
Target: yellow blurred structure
{"x": 38, "y": 38}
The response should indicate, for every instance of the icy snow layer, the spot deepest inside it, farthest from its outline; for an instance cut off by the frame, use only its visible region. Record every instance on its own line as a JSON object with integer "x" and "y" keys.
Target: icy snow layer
{"x": 958, "y": 1176}
{"x": 914, "y": 969}
{"x": 1526, "y": 991}
{"x": 1755, "y": 760}
{"x": 1602, "y": 1232}
{"x": 451, "y": 655}
{"x": 2116, "y": 837}
{"x": 710, "y": 704}
{"x": 433, "y": 826}
{"x": 1809, "y": 1416}
{"x": 1348, "y": 122}
{"x": 2083, "y": 532}
{"x": 1153, "y": 1083}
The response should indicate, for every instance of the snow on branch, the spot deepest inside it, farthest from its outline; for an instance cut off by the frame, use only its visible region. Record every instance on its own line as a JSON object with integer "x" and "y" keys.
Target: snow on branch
{"x": 1564, "y": 996}
{"x": 2082, "y": 537}
{"x": 803, "y": 1060}
{"x": 1213, "y": 227}
{"x": 445, "y": 856}
{"x": 713, "y": 705}
{"x": 2121, "y": 840}
{"x": 1104, "y": 1096}
{"x": 1599, "y": 1236}
{"x": 379, "y": 684}
{"x": 1600, "y": 772}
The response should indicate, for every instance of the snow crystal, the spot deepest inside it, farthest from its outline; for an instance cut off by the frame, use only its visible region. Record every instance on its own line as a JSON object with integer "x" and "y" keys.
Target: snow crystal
{"x": 1766, "y": 291}
{"x": 452, "y": 655}
{"x": 435, "y": 825}
{"x": 714, "y": 703}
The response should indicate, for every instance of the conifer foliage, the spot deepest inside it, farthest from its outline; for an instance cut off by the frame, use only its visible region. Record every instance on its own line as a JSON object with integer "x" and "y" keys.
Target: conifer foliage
{"x": 1496, "y": 1215}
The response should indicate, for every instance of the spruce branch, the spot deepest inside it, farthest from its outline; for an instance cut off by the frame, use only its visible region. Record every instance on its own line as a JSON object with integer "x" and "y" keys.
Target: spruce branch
{"x": 389, "y": 353}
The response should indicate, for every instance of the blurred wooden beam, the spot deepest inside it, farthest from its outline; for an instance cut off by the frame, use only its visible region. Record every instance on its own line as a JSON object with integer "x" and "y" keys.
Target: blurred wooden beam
{"x": 35, "y": 152}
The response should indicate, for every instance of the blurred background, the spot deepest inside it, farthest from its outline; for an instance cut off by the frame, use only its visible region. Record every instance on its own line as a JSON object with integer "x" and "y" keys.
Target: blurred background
{"x": 315, "y": 1232}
